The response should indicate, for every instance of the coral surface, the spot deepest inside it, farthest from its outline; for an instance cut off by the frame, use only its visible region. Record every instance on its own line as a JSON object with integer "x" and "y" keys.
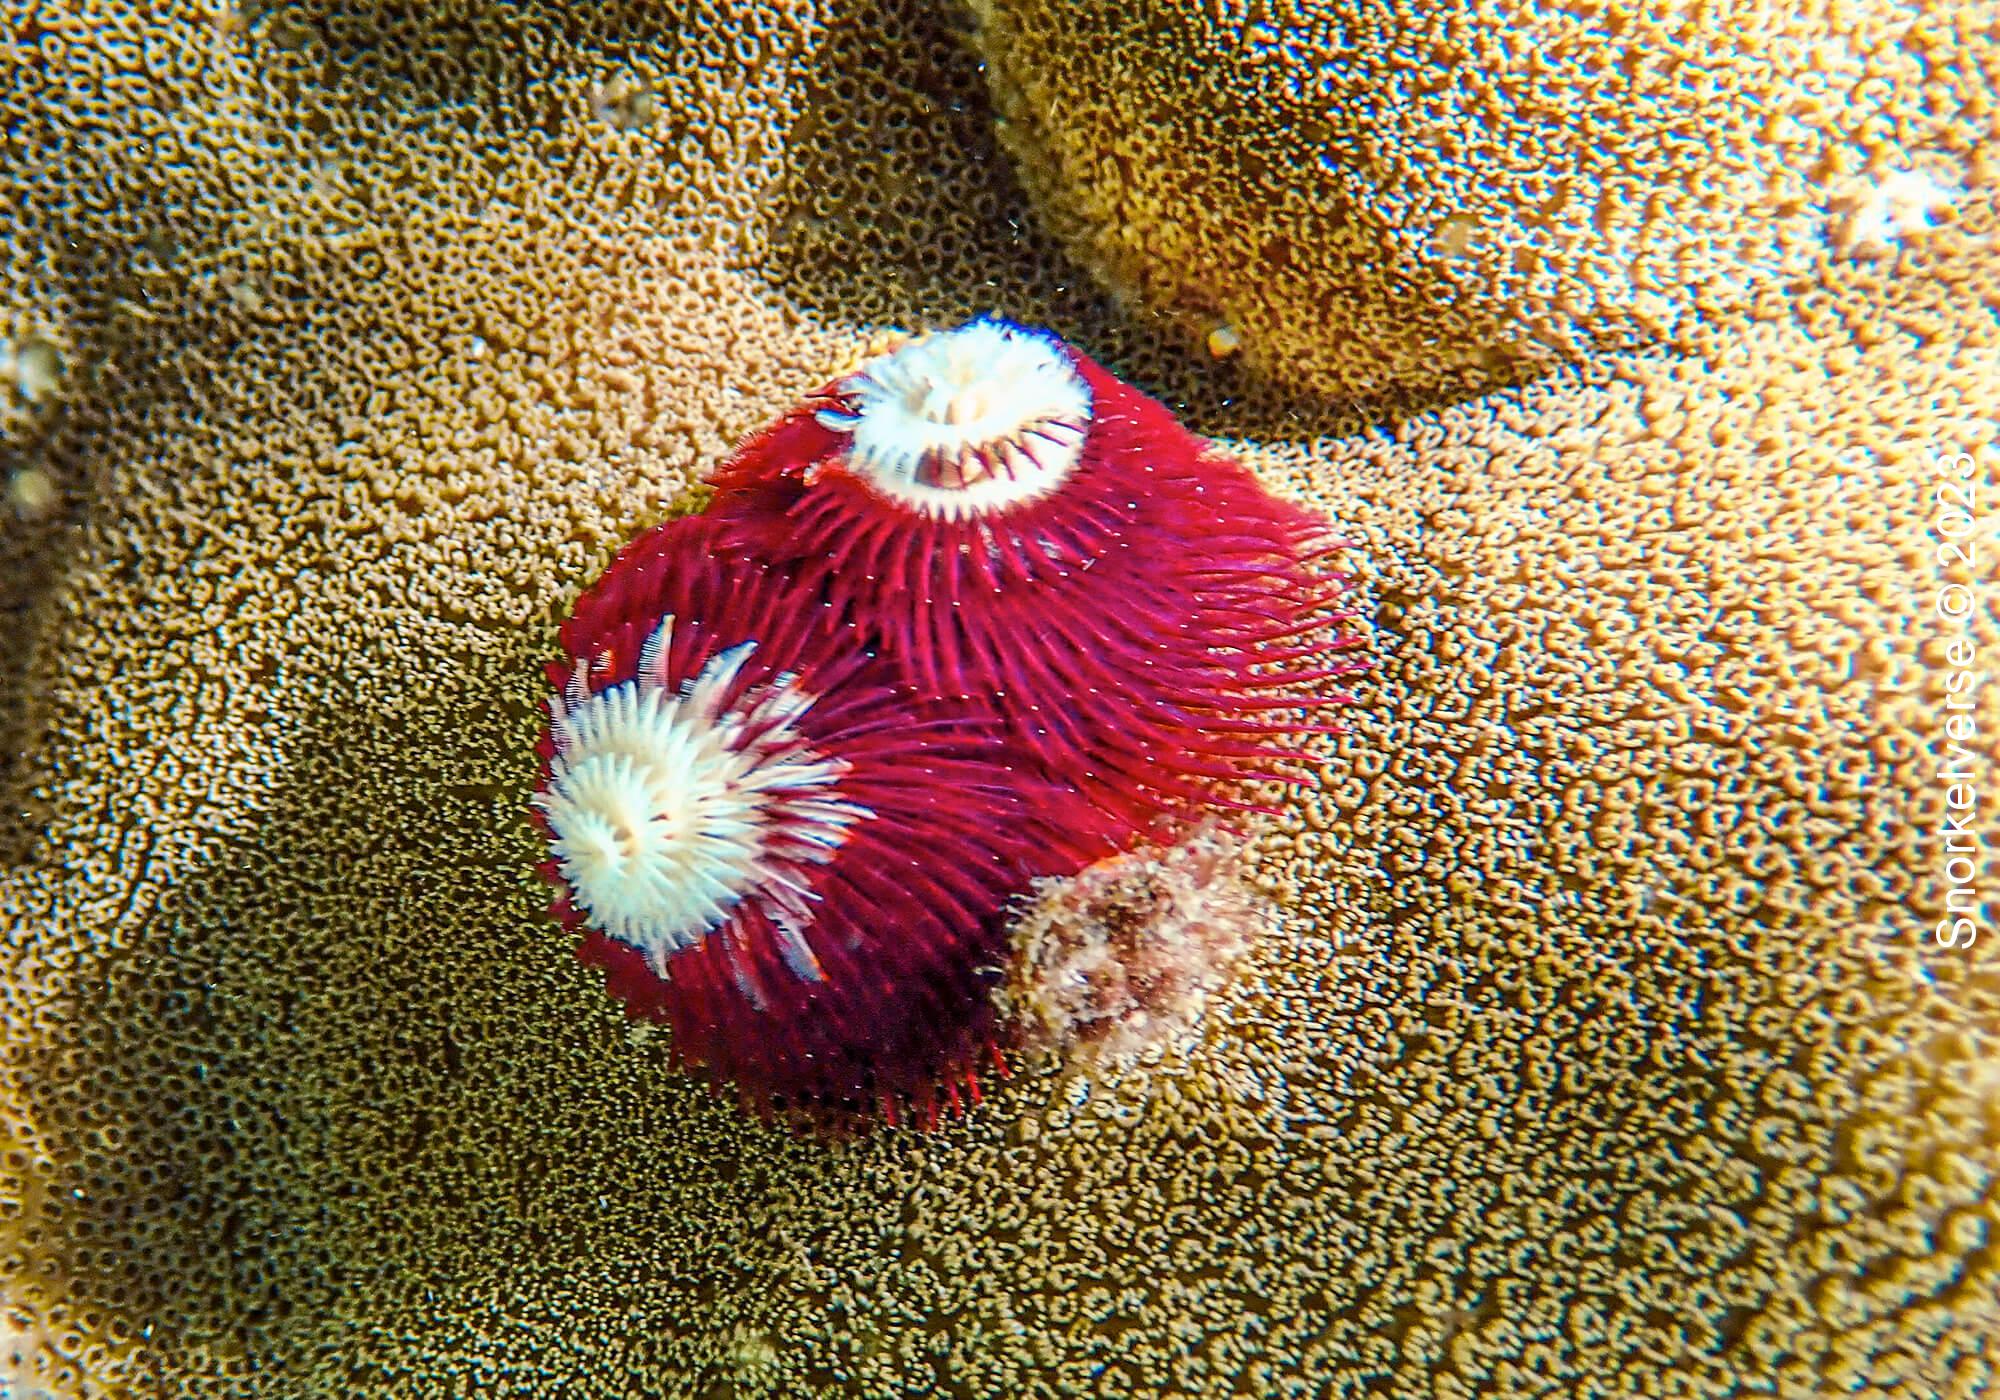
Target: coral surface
{"x": 1371, "y": 198}
{"x": 1610, "y": 1054}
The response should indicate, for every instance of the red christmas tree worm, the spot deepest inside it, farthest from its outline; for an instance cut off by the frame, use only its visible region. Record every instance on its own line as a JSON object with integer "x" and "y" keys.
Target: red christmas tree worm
{"x": 1011, "y": 524}
{"x": 768, "y": 841}
{"x": 973, "y": 617}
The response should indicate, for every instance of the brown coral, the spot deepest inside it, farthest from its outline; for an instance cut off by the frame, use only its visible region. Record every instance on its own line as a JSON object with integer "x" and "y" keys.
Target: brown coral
{"x": 1608, "y": 1054}
{"x": 1369, "y": 199}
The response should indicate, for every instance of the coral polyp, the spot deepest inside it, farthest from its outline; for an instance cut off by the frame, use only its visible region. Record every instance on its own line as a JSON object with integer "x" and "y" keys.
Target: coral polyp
{"x": 771, "y": 843}
{"x": 1148, "y": 621}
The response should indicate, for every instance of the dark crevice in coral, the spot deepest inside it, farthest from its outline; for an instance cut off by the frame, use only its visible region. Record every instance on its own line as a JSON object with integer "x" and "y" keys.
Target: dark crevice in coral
{"x": 926, "y": 225}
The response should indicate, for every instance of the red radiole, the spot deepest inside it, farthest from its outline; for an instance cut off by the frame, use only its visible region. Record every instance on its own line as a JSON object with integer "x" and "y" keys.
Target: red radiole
{"x": 1146, "y": 619}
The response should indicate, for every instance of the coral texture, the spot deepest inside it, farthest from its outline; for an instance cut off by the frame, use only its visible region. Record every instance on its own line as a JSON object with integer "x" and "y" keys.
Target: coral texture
{"x": 1611, "y": 1054}
{"x": 1368, "y": 199}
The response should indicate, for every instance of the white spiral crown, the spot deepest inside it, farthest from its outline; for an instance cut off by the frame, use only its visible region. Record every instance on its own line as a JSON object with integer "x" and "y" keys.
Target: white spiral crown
{"x": 669, "y": 809}
{"x": 965, "y": 422}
